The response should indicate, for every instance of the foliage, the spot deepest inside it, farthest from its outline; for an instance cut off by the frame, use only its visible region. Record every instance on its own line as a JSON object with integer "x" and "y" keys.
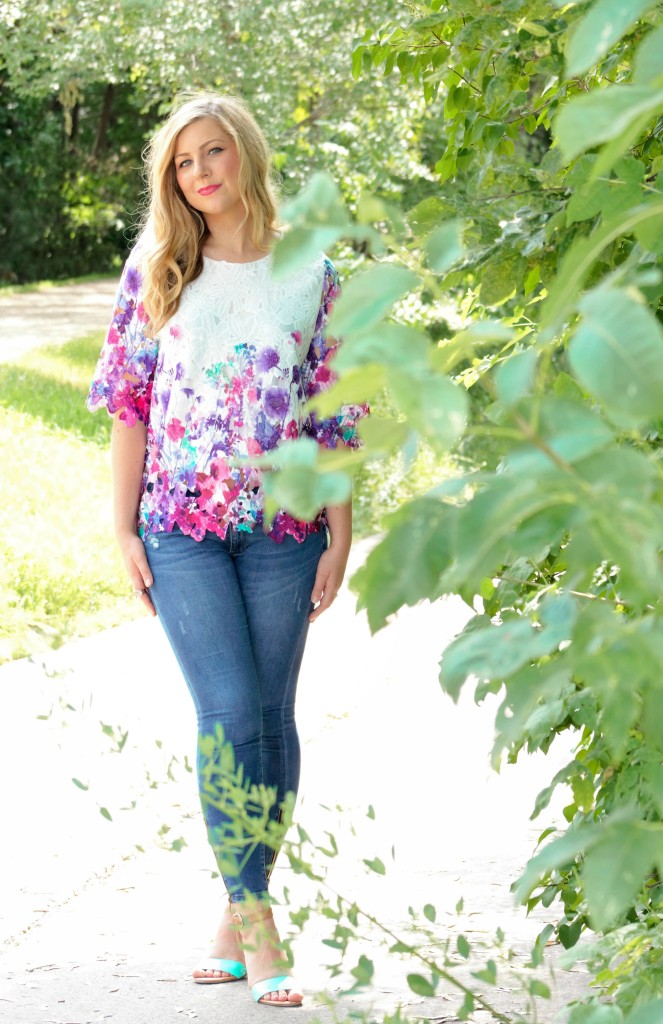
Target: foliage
{"x": 552, "y": 397}
{"x": 437, "y": 960}
{"x": 82, "y": 89}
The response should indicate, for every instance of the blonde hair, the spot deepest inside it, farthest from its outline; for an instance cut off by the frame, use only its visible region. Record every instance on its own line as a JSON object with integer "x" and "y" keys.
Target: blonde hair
{"x": 173, "y": 233}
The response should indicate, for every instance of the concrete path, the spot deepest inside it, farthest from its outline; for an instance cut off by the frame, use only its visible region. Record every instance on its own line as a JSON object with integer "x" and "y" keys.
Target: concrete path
{"x": 103, "y": 920}
{"x": 94, "y": 929}
{"x": 53, "y": 315}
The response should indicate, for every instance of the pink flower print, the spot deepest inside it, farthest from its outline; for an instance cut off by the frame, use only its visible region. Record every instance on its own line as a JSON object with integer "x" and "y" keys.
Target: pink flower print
{"x": 175, "y": 430}
{"x": 252, "y": 395}
{"x": 297, "y": 335}
{"x": 113, "y": 336}
{"x": 253, "y": 447}
{"x": 141, "y": 313}
{"x": 128, "y": 416}
{"x": 176, "y": 332}
{"x": 291, "y": 429}
{"x": 322, "y": 375}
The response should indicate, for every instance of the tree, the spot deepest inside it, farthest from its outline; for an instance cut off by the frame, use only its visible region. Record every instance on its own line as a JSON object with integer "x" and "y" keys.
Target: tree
{"x": 546, "y": 225}
{"x": 97, "y": 79}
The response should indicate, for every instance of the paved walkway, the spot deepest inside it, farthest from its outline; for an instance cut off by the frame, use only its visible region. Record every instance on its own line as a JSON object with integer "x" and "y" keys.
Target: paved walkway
{"x": 102, "y": 920}
{"x": 53, "y": 315}
{"x": 94, "y": 929}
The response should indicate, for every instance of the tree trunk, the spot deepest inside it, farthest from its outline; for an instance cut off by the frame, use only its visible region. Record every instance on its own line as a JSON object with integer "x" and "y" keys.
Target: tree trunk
{"x": 103, "y": 121}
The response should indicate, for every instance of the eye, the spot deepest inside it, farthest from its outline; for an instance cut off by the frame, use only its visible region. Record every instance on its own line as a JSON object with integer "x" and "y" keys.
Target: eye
{"x": 215, "y": 149}
{"x": 182, "y": 164}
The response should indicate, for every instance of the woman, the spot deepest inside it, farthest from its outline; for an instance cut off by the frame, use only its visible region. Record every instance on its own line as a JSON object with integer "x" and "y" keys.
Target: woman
{"x": 208, "y": 360}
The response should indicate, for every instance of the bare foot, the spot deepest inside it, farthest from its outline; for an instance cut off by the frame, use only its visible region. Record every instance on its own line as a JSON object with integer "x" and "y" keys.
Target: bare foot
{"x": 265, "y": 958}
{"x": 226, "y": 946}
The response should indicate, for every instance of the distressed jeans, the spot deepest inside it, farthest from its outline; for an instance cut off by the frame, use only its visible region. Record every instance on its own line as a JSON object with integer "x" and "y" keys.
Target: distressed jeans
{"x": 235, "y": 612}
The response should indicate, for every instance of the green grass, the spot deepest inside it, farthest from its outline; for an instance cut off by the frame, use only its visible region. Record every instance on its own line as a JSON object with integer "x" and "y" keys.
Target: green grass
{"x": 62, "y": 576}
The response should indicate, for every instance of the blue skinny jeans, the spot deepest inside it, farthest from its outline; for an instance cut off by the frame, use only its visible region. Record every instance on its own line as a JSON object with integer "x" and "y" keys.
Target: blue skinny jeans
{"x": 235, "y": 612}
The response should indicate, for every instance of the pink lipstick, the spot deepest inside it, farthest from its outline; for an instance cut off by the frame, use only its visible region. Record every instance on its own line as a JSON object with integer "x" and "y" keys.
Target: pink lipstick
{"x": 208, "y": 190}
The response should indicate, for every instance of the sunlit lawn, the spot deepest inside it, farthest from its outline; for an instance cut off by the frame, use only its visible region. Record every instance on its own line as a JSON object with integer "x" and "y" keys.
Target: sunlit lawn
{"x": 62, "y": 576}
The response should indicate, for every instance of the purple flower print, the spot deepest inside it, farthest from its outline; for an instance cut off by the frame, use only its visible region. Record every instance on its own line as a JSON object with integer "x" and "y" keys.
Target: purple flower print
{"x": 267, "y": 360}
{"x": 132, "y": 281}
{"x": 276, "y": 403}
{"x": 267, "y": 434}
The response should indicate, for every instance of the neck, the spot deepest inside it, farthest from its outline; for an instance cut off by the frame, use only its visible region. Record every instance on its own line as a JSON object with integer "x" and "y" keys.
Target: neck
{"x": 225, "y": 233}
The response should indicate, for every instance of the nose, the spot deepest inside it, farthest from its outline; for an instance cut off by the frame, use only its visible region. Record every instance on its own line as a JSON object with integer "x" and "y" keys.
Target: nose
{"x": 200, "y": 168}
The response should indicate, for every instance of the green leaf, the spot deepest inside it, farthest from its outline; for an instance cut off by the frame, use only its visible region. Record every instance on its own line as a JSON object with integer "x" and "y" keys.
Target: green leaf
{"x": 105, "y": 813}
{"x": 366, "y": 298}
{"x": 650, "y": 1013}
{"x": 420, "y": 986}
{"x": 487, "y": 974}
{"x": 300, "y": 246}
{"x": 81, "y": 785}
{"x": 405, "y": 567}
{"x": 496, "y": 652}
{"x": 603, "y": 115}
{"x": 390, "y": 344}
{"x": 303, "y": 491}
{"x": 500, "y": 278}
{"x": 364, "y": 970}
{"x": 444, "y": 246}
{"x": 463, "y": 947}
{"x": 451, "y": 351}
{"x": 429, "y": 912}
{"x": 376, "y": 865}
{"x": 649, "y": 233}
{"x": 616, "y": 866}
{"x": 178, "y": 844}
{"x": 383, "y": 435}
{"x": 567, "y": 430}
{"x": 538, "y": 988}
{"x": 608, "y": 196}
{"x": 617, "y": 355}
{"x": 647, "y": 67}
{"x": 354, "y": 387}
{"x": 603, "y": 26}
{"x": 423, "y": 217}
{"x": 467, "y": 1007}
{"x": 501, "y": 514}
{"x": 514, "y": 378}
{"x": 560, "y": 851}
{"x": 435, "y": 408}
{"x": 580, "y": 258}
{"x": 596, "y": 1013}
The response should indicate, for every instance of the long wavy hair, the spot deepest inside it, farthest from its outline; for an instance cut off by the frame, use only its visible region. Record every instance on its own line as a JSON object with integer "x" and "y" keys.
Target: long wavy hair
{"x": 173, "y": 233}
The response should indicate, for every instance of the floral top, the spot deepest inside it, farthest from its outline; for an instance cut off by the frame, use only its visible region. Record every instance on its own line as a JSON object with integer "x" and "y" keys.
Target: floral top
{"x": 226, "y": 377}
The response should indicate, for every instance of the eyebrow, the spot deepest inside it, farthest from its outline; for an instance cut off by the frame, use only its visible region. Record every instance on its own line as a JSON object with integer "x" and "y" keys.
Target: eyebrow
{"x": 218, "y": 139}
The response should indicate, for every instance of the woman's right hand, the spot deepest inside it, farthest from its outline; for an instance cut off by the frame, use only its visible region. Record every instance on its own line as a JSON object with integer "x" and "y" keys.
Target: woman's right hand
{"x": 133, "y": 554}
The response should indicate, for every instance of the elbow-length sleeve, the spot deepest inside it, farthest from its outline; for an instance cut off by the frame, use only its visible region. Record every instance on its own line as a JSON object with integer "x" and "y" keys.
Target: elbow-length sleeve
{"x": 124, "y": 373}
{"x": 318, "y": 375}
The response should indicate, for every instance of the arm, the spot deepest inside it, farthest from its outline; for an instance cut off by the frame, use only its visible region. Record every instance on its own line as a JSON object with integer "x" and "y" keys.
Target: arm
{"x": 331, "y": 567}
{"x": 127, "y": 462}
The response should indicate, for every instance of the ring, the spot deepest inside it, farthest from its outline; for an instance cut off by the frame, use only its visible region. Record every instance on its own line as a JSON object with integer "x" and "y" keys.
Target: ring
{"x": 139, "y": 593}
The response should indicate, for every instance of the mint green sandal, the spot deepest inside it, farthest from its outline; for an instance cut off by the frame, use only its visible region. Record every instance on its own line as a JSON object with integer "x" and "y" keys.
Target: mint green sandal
{"x": 212, "y": 963}
{"x": 262, "y": 988}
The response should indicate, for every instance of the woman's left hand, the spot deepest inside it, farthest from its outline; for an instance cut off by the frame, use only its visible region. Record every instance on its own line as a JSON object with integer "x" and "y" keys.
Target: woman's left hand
{"x": 328, "y": 578}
